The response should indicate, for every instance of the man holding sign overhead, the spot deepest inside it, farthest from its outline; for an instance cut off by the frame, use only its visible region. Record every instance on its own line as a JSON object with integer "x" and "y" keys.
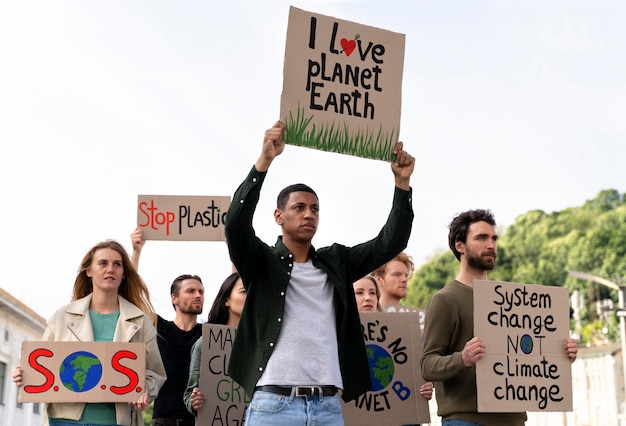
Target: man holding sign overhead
{"x": 451, "y": 350}
{"x": 299, "y": 340}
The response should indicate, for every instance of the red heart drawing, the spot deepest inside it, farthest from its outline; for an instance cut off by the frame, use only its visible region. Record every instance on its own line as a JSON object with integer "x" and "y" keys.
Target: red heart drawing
{"x": 348, "y": 46}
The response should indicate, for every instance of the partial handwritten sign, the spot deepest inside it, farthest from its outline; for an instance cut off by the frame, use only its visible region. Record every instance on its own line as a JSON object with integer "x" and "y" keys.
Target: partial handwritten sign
{"x": 227, "y": 401}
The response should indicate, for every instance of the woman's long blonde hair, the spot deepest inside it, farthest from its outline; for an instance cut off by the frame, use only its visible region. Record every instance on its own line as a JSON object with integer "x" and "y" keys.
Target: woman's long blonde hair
{"x": 132, "y": 288}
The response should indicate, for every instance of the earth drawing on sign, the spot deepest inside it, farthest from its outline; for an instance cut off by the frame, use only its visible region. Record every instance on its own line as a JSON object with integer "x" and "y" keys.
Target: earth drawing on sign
{"x": 80, "y": 371}
{"x": 526, "y": 343}
{"x": 381, "y": 367}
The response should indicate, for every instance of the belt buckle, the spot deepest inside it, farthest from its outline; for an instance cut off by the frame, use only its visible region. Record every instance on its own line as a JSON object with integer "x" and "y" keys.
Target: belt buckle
{"x": 304, "y": 391}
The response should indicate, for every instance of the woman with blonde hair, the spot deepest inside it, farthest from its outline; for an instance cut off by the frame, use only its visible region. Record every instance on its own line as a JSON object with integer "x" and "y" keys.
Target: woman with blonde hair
{"x": 110, "y": 303}
{"x": 367, "y": 294}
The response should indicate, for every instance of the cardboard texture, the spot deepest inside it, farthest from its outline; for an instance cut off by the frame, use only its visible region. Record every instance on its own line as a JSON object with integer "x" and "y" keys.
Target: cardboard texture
{"x": 82, "y": 371}
{"x": 182, "y": 218}
{"x": 394, "y": 346}
{"x": 342, "y": 86}
{"x": 523, "y": 327}
{"x": 226, "y": 402}
{"x": 403, "y": 309}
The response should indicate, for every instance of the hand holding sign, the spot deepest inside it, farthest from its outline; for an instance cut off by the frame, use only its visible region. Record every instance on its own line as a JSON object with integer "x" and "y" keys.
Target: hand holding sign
{"x": 197, "y": 399}
{"x": 143, "y": 401}
{"x": 571, "y": 349}
{"x": 137, "y": 239}
{"x": 18, "y": 376}
{"x": 402, "y": 167}
{"x": 273, "y": 146}
{"x": 473, "y": 351}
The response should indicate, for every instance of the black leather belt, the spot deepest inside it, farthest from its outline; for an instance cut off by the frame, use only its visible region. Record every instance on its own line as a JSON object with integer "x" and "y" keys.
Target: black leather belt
{"x": 173, "y": 422}
{"x": 300, "y": 391}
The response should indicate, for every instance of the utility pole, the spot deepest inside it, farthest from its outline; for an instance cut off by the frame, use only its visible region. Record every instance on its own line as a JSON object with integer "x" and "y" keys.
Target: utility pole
{"x": 621, "y": 312}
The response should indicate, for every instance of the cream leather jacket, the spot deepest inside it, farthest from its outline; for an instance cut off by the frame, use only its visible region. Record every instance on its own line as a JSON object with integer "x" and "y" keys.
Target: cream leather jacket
{"x": 72, "y": 323}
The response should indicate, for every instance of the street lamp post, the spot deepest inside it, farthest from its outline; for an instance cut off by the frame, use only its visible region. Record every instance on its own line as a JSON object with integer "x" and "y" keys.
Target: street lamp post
{"x": 621, "y": 313}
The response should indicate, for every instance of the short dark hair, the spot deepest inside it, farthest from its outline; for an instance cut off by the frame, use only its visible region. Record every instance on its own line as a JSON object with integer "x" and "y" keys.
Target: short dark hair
{"x": 461, "y": 223}
{"x": 283, "y": 196}
{"x": 175, "y": 288}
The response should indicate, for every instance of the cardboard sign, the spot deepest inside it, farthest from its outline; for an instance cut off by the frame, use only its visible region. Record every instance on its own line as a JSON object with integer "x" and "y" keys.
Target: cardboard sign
{"x": 227, "y": 401}
{"x": 403, "y": 309}
{"x": 394, "y": 347}
{"x": 523, "y": 327}
{"x": 342, "y": 86}
{"x": 82, "y": 371}
{"x": 182, "y": 218}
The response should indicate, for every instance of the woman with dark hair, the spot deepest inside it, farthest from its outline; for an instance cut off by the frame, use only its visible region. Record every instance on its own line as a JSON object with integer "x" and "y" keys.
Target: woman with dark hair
{"x": 110, "y": 303}
{"x": 226, "y": 310}
{"x": 229, "y": 301}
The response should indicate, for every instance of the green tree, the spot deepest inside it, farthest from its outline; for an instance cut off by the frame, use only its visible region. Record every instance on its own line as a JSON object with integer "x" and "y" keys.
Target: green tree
{"x": 431, "y": 277}
{"x": 540, "y": 248}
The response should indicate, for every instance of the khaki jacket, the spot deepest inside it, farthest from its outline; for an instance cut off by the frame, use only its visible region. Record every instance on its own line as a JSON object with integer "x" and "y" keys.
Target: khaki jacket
{"x": 71, "y": 323}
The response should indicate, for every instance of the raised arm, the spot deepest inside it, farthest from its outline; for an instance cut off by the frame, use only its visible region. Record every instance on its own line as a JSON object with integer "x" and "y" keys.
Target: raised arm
{"x": 402, "y": 167}
{"x": 240, "y": 236}
{"x": 273, "y": 146}
{"x": 137, "y": 241}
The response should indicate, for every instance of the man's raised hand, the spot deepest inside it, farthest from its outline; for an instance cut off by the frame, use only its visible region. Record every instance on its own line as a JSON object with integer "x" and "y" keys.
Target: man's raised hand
{"x": 273, "y": 145}
{"x": 402, "y": 167}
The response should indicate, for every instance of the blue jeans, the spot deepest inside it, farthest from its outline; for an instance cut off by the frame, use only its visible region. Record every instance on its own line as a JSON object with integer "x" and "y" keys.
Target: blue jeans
{"x": 455, "y": 422}
{"x": 268, "y": 408}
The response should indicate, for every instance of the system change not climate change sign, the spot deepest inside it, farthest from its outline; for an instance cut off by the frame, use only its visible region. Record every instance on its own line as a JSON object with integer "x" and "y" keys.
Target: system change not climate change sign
{"x": 523, "y": 327}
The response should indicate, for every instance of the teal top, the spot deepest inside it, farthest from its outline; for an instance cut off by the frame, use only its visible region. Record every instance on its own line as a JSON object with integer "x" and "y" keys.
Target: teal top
{"x": 103, "y": 331}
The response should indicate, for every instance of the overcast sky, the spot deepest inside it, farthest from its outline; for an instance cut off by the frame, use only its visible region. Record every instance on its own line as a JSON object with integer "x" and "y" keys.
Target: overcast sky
{"x": 510, "y": 106}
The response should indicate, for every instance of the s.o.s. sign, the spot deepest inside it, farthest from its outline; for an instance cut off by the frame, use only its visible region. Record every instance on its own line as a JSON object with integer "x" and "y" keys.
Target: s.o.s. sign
{"x": 82, "y": 371}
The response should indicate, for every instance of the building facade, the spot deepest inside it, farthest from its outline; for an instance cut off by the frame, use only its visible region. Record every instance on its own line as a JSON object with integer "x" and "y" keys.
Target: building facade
{"x": 17, "y": 323}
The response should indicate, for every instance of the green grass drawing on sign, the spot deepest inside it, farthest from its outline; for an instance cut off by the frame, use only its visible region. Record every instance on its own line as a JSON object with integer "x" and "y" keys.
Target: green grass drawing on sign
{"x": 332, "y": 137}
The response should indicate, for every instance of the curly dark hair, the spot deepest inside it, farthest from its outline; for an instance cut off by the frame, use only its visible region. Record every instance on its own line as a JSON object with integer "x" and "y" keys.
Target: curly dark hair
{"x": 461, "y": 223}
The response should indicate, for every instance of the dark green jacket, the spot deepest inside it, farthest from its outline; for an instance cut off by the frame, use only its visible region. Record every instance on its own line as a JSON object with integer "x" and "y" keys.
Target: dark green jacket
{"x": 266, "y": 271}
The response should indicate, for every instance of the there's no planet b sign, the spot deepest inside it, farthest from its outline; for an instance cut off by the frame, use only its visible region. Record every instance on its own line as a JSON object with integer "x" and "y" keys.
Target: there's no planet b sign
{"x": 393, "y": 344}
